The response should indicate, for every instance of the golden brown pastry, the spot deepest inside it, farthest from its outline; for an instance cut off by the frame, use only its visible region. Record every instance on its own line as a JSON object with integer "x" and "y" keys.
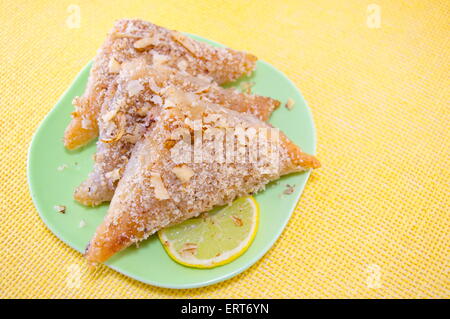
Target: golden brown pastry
{"x": 194, "y": 158}
{"x": 136, "y": 38}
{"x": 132, "y": 107}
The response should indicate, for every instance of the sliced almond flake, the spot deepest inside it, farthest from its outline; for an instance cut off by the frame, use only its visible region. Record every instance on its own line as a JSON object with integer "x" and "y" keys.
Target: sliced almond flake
{"x": 184, "y": 173}
{"x": 113, "y": 65}
{"x": 153, "y": 86}
{"x": 113, "y": 175}
{"x": 160, "y": 59}
{"x": 132, "y": 69}
{"x": 60, "y": 208}
{"x": 290, "y": 104}
{"x": 126, "y": 35}
{"x": 168, "y": 103}
{"x": 184, "y": 41}
{"x": 143, "y": 43}
{"x": 120, "y": 124}
{"x": 156, "y": 99}
{"x": 109, "y": 115}
{"x": 237, "y": 221}
{"x": 117, "y": 137}
{"x": 134, "y": 87}
{"x": 160, "y": 190}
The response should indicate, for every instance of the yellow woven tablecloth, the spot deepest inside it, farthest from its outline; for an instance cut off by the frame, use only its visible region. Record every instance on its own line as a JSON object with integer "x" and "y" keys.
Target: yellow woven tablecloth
{"x": 373, "y": 222}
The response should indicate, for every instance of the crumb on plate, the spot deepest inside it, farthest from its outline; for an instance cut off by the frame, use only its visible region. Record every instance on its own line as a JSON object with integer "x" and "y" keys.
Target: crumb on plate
{"x": 60, "y": 208}
{"x": 290, "y": 104}
{"x": 289, "y": 189}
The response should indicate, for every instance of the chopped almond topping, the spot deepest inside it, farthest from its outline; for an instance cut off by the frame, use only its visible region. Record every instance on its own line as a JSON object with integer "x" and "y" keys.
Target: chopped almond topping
{"x": 184, "y": 173}
{"x": 290, "y": 104}
{"x": 134, "y": 87}
{"x": 159, "y": 59}
{"x": 156, "y": 99}
{"x": 114, "y": 66}
{"x": 110, "y": 115}
{"x": 237, "y": 221}
{"x": 184, "y": 41}
{"x": 60, "y": 209}
{"x": 143, "y": 43}
{"x": 120, "y": 123}
{"x": 168, "y": 103}
{"x": 160, "y": 190}
{"x": 125, "y": 35}
{"x": 114, "y": 175}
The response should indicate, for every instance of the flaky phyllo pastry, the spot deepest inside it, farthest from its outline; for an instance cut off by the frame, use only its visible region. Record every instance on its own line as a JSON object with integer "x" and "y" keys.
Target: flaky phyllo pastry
{"x": 130, "y": 39}
{"x": 197, "y": 155}
{"x": 131, "y": 106}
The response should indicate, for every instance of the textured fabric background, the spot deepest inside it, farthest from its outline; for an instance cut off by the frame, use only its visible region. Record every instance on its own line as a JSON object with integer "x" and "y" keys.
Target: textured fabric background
{"x": 373, "y": 222}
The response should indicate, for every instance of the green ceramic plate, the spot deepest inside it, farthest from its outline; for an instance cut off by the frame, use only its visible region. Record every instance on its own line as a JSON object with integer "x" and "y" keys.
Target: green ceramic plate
{"x": 150, "y": 264}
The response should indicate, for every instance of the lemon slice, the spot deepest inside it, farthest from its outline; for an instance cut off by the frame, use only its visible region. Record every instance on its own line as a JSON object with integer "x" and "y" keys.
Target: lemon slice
{"x": 214, "y": 238}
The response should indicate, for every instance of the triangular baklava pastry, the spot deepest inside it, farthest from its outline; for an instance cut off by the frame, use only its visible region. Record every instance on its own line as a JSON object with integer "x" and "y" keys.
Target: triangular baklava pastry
{"x": 197, "y": 155}
{"x": 136, "y": 38}
{"x": 132, "y": 107}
